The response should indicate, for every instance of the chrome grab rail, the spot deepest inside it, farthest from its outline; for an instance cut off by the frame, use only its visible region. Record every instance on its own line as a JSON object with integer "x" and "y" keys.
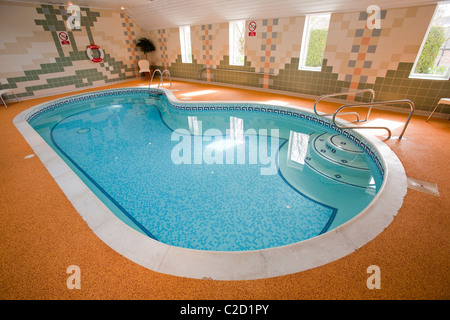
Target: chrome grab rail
{"x": 161, "y": 79}
{"x": 151, "y": 79}
{"x": 370, "y": 105}
{"x": 342, "y": 94}
{"x": 200, "y": 72}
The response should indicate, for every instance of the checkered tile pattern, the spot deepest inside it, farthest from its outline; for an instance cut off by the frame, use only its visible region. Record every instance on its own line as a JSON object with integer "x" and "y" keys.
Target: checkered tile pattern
{"x": 361, "y": 55}
{"x": 34, "y": 62}
{"x": 163, "y": 47}
{"x": 269, "y": 45}
{"x": 276, "y": 42}
{"x": 129, "y": 32}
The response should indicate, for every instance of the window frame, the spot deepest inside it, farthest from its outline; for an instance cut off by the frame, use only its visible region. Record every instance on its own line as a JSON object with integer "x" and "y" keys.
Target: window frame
{"x": 426, "y": 76}
{"x": 233, "y": 43}
{"x": 185, "y": 44}
{"x": 305, "y": 42}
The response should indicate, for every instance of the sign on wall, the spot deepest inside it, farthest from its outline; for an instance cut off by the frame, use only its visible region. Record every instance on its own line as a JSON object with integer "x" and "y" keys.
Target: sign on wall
{"x": 63, "y": 37}
{"x": 252, "y": 29}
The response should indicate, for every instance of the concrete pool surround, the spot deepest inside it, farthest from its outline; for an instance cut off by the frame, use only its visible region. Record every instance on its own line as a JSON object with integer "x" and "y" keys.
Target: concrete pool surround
{"x": 222, "y": 265}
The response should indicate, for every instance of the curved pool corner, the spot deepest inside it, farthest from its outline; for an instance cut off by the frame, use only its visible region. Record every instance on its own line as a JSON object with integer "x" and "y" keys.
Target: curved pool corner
{"x": 222, "y": 265}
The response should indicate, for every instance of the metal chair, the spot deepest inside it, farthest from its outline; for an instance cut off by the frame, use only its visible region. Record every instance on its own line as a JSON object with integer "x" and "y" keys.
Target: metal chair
{"x": 6, "y": 91}
{"x": 442, "y": 101}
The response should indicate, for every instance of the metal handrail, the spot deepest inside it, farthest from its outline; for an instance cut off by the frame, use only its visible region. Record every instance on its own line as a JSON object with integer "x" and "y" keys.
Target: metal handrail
{"x": 370, "y": 105}
{"x": 342, "y": 94}
{"x": 151, "y": 79}
{"x": 200, "y": 72}
{"x": 161, "y": 79}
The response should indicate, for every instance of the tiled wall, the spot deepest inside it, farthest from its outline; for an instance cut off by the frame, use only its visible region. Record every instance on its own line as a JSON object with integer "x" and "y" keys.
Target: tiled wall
{"x": 356, "y": 57}
{"x": 33, "y": 62}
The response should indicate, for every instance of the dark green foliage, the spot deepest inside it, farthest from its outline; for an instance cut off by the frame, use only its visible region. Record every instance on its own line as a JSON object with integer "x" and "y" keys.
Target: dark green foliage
{"x": 317, "y": 41}
{"x": 145, "y": 45}
{"x": 430, "y": 50}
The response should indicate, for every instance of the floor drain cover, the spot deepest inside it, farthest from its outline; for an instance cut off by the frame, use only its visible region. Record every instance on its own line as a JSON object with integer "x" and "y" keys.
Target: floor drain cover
{"x": 423, "y": 186}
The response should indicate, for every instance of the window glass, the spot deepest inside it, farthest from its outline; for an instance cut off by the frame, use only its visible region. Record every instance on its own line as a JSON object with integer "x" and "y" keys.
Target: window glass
{"x": 313, "y": 42}
{"x": 237, "y": 42}
{"x": 433, "y": 60}
{"x": 185, "y": 41}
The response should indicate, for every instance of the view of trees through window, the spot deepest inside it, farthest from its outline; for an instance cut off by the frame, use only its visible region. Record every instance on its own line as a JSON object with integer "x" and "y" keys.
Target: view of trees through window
{"x": 314, "y": 41}
{"x": 185, "y": 41}
{"x": 237, "y": 42}
{"x": 434, "y": 58}
{"x": 317, "y": 41}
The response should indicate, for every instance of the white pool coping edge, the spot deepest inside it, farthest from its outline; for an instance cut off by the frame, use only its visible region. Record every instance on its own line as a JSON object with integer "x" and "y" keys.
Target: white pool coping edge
{"x": 222, "y": 265}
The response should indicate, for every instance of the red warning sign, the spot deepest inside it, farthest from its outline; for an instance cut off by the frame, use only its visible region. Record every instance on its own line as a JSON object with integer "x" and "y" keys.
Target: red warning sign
{"x": 63, "y": 38}
{"x": 252, "y": 29}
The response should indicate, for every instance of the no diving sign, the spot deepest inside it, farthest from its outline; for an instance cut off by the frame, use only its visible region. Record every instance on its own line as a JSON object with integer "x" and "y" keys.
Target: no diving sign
{"x": 63, "y": 38}
{"x": 252, "y": 29}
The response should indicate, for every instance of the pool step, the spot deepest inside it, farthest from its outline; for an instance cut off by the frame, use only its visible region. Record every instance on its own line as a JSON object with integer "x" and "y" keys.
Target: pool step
{"x": 338, "y": 159}
{"x": 342, "y": 147}
{"x": 349, "y": 160}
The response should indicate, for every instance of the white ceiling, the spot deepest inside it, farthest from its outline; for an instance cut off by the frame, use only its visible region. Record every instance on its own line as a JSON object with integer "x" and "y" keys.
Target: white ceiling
{"x": 156, "y": 14}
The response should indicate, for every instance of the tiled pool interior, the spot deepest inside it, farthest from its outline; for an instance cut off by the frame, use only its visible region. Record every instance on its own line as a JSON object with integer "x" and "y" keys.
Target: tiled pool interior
{"x": 121, "y": 147}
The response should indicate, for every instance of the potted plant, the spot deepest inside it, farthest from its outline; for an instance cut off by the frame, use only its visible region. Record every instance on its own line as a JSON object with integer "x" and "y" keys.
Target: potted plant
{"x": 145, "y": 45}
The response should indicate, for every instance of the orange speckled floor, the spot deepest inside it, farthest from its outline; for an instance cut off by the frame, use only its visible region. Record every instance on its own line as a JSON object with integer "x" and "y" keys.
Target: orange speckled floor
{"x": 41, "y": 234}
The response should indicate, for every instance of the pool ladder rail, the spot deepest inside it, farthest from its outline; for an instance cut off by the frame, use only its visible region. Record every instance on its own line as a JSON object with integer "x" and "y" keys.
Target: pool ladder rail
{"x": 161, "y": 77}
{"x": 369, "y": 105}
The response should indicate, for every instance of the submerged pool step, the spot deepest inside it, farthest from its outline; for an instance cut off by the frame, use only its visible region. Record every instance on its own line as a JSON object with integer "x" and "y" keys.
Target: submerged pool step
{"x": 338, "y": 159}
{"x": 342, "y": 147}
{"x": 349, "y": 160}
{"x": 360, "y": 181}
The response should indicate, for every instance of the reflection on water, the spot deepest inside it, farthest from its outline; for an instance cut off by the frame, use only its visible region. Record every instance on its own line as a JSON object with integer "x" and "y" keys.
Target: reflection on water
{"x": 298, "y": 147}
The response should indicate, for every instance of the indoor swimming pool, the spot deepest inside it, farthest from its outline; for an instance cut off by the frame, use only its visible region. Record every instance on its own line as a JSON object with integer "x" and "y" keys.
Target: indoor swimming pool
{"x": 210, "y": 178}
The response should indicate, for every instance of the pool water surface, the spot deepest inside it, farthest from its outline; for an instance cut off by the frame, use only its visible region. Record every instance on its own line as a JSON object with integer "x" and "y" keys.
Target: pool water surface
{"x": 225, "y": 180}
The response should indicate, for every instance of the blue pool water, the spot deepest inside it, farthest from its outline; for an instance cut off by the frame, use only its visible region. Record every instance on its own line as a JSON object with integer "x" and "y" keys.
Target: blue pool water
{"x": 211, "y": 180}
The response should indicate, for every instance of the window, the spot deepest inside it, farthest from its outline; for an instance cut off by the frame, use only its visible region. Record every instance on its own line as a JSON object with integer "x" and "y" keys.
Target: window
{"x": 313, "y": 42}
{"x": 237, "y": 42}
{"x": 185, "y": 40}
{"x": 433, "y": 60}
